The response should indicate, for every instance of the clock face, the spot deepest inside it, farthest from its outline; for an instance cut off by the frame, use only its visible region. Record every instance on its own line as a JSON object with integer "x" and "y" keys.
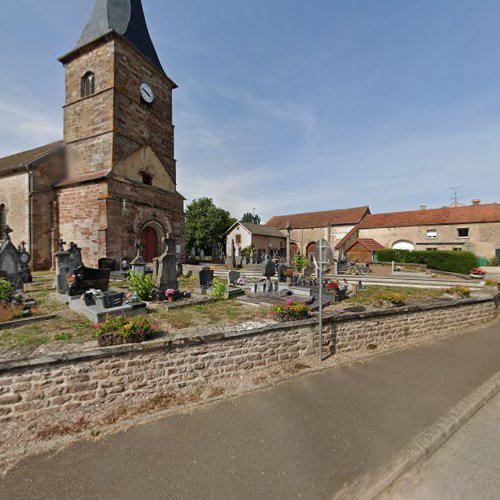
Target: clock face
{"x": 147, "y": 93}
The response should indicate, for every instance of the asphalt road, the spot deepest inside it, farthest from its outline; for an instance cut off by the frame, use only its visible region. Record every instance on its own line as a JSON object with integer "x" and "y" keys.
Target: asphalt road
{"x": 303, "y": 439}
{"x": 467, "y": 466}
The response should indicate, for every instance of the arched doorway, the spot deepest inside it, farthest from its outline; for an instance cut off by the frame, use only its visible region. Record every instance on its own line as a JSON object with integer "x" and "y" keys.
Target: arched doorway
{"x": 310, "y": 249}
{"x": 403, "y": 245}
{"x": 294, "y": 248}
{"x": 149, "y": 239}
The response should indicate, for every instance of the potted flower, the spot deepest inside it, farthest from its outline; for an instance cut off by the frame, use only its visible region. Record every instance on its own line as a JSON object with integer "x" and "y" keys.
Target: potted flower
{"x": 170, "y": 294}
{"x": 333, "y": 286}
{"x": 477, "y": 272}
{"x": 289, "y": 276}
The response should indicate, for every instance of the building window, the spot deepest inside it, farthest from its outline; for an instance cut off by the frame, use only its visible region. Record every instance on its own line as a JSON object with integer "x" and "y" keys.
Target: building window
{"x": 463, "y": 232}
{"x": 147, "y": 179}
{"x": 432, "y": 233}
{"x": 88, "y": 84}
{"x": 431, "y": 249}
{"x": 238, "y": 239}
{"x": 457, "y": 249}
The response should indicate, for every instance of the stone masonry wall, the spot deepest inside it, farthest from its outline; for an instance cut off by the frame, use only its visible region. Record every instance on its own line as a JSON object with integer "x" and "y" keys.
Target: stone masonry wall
{"x": 82, "y": 219}
{"x": 37, "y": 393}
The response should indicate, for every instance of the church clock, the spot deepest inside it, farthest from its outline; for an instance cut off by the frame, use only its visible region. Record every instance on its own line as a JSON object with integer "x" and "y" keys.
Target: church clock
{"x": 147, "y": 93}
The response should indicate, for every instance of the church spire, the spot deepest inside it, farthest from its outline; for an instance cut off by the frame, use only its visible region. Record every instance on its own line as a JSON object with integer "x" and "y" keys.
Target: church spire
{"x": 125, "y": 17}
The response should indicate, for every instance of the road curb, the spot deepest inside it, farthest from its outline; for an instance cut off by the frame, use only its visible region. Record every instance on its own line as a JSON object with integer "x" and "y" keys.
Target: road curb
{"x": 422, "y": 447}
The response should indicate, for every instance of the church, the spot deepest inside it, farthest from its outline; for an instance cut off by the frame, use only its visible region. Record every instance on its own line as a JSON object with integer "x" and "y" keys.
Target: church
{"x": 112, "y": 179}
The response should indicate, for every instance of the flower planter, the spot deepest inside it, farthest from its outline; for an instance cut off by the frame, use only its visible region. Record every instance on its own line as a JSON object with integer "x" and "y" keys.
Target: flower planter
{"x": 285, "y": 318}
{"x": 115, "y": 338}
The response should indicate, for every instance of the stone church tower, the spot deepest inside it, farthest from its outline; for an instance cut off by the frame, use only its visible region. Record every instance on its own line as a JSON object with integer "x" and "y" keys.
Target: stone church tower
{"x": 119, "y": 140}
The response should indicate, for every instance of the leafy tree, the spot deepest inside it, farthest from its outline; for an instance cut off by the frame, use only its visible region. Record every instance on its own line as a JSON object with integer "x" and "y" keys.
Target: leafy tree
{"x": 206, "y": 224}
{"x": 250, "y": 217}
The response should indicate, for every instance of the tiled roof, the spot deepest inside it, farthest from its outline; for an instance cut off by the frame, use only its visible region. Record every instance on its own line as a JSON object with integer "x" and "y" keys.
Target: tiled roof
{"x": 368, "y": 243}
{"x": 259, "y": 229}
{"x": 346, "y": 238}
{"x": 25, "y": 158}
{"x": 326, "y": 218}
{"x": 435, "y": 217}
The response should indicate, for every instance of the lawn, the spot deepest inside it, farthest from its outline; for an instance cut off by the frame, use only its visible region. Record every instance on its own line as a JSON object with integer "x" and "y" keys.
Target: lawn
{"x": 228, "y": 312}
{"x": 373, "y": 294}
{"x": 71, "y": 327}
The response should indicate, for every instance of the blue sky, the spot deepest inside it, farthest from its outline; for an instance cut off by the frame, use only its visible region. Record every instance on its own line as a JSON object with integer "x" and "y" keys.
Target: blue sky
{"x": 288, "y": 106}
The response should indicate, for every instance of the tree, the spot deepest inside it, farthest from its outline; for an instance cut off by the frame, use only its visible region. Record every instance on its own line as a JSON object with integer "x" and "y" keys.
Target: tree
{"x": 252, "y": 218}
{"x": 206, "y": 224}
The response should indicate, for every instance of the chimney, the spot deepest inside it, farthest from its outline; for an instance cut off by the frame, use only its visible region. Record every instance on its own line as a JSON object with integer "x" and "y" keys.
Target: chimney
{"x": 476, "y": 201}
{"x": 423, "y": 207}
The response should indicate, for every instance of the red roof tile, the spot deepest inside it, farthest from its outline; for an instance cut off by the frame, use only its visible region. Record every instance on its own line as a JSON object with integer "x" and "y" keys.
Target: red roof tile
{"x": 369, "y": 243}
{"x": 435, "y": 217}
{"x": 347, "y": 237}
{"x": 341, "y": 217}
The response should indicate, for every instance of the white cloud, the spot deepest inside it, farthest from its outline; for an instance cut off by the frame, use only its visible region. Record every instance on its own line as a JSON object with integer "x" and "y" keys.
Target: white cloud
{"x": 23, "y": 127}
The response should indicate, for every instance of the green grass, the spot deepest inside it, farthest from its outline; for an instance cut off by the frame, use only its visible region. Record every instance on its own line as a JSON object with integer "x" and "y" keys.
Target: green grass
{"x": 187, "y": 283}
{"x": 373, "y": 294}
{"x": 216, "y": 313}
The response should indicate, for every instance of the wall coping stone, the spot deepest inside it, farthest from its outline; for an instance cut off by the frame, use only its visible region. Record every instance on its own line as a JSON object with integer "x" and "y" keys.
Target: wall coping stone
{"x": 166, "y": 344}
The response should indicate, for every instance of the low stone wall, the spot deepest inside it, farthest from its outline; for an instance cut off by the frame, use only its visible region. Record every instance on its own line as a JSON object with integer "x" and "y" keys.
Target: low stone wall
{"x": 36, "y": 394}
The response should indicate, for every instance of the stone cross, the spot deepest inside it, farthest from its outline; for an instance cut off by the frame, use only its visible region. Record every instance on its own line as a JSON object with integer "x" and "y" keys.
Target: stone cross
{"x": 7, "y": 232}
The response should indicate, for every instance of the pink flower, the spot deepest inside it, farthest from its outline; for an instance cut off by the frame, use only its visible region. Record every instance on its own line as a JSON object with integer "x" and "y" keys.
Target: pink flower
{"x": 289, "y": 302}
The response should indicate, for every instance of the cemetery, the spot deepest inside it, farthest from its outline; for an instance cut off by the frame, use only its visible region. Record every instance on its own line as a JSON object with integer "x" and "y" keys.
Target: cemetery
{"x": 168, "y": 299}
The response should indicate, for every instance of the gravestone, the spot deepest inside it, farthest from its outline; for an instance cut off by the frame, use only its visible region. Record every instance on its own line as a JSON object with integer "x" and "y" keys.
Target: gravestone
{"x": 233, "y": 277}
{"x": 75, "y": 257}
{"x": 89, "y": 279}
{"x": 138, "y": 264}
{"x": 205, "y": 278}
{"x": 165, "y": 269}
{"x": 9, "y": 260}
{"x": 24, "y": 260}
{"x": 62, "y": 268}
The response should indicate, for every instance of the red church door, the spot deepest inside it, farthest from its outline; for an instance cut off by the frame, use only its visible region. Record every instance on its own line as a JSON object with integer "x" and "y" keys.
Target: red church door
{"x": 150, "y": 241}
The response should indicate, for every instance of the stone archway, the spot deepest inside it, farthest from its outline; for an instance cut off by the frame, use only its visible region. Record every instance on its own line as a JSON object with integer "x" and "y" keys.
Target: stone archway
{"x": 310, "y": 249}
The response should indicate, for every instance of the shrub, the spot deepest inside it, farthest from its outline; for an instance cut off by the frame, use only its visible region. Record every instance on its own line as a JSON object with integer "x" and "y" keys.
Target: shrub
{"x": 462, "y": 291}
{"x": 492, "y": 283}
{"x": 300, "y": 262}
{"x": 219, "y": 289}
{"x": 292, "y": 311}
{"x": 454, "y": 262}
{"x": 5, "y": 290}
{"x": 393, "y": 298}
{"x": 140, "y": 284}
{"x": 495, "y": 261}
{"x": 247, "y": 251}
{"x": 120, "y": 329}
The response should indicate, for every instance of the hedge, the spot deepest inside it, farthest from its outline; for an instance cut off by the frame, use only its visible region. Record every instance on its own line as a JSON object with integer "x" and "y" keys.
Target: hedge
{"x": 453, "y": 262}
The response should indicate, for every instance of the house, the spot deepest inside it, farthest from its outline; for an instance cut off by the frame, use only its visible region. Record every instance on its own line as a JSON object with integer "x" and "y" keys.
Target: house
{"x": 474, "y": 228}
{"x": 265, "y": 240}
{"x": 305, "y": 229}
